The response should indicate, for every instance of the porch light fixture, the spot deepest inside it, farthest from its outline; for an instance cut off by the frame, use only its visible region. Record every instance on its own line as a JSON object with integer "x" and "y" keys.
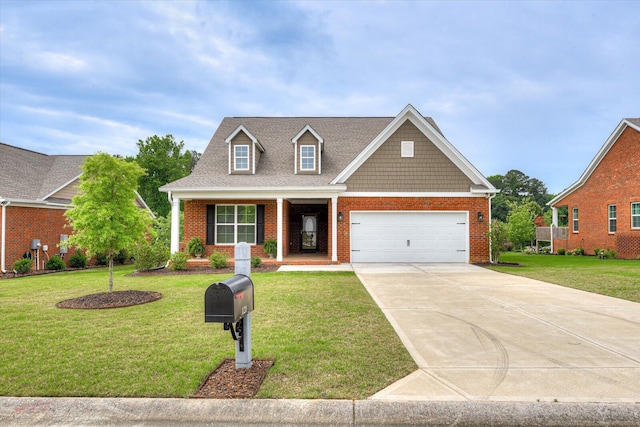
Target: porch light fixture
{"x": 480, "y": 217}
{"x": 340, "y": 217}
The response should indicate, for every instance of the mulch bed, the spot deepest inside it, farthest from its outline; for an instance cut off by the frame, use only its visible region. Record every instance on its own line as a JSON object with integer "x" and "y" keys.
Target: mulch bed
{"x": 227, "y": 382}
{"x": 110, "y": 300}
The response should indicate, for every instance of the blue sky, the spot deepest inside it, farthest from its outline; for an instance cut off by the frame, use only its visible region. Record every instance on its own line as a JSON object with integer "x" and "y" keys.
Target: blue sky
{"x": 533, "y": 86}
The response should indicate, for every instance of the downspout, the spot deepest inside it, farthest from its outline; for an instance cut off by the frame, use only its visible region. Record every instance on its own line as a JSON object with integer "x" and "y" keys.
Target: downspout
{"x": 3, "y": 237}
{"x": 490, "y": 196}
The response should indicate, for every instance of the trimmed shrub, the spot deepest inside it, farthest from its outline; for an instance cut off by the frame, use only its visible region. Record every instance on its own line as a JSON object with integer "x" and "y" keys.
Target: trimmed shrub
{"x": 178, "y": 261}
{"x": 218, "y": 259}
{"x": 147, "y": 256}
{"x": 122, "y": 257}
{"x": 578, "y": 251}
{"x": 610, "y": 254}
{"x": 101, "y": 258}
{"x": 561, "y": 251}
{"x": 55, "y": 263}
{"x": 597, "y": 251}
{"x": 256, "y": 261}
{"x": 22, "y": 266}
{"x": 195, "y": 247}
{"x": 78, "y": 260}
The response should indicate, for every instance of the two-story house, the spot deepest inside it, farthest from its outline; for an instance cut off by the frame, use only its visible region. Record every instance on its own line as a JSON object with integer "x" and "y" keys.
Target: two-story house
{"x": 352, "y": 189}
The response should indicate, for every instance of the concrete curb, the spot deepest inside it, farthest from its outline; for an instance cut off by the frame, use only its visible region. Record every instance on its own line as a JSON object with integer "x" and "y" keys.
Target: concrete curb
{"x": 15, "y": 411}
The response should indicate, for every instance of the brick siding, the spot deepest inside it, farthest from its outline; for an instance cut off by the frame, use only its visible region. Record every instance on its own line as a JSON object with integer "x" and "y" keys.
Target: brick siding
{"x": 24, "y": 224}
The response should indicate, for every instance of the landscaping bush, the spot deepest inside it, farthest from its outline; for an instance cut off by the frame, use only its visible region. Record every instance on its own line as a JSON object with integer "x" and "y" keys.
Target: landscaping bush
{"x": 597, "y": 251}
{"x": 55, "y": 263}
{"x": 78, "y": 260}
{"x": 122, "y": 257}
{"x": 195, "y": 248}
{"x": 578, "y": 251}
{"x": 218, "y": 259}
{"x": 178, "y": 261}
{"x": 101, "y": 258}
{"x": 147, "y": 256}
{"x": 256, "y": 261}
{"x": 610, "y": 254}
{"x": 561, "y": 251}
{"x": 22, "y": 266}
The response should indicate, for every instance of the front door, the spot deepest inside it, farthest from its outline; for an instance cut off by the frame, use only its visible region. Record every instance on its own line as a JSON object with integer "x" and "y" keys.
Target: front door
{"x": 309, "y": 233}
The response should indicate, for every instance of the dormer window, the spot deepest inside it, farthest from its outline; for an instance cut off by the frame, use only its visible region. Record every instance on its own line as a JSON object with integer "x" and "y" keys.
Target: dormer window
{"x": 241, "y": 157}
{"x": 244, "y": 151}
{"x": 308, "y": 147}
{"x": 307, "y": 158}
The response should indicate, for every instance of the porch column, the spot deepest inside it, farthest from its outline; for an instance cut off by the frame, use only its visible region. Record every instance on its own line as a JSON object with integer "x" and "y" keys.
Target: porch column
{"x": 175, "y": 224}
{"x": 554, "y": 223}
{"x": 279, "y": 233}
{"x": 334, "y": 229}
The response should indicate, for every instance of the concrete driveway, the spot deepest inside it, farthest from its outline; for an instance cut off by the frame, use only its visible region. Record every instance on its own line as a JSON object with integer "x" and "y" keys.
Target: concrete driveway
{"x": 480, "y": 335}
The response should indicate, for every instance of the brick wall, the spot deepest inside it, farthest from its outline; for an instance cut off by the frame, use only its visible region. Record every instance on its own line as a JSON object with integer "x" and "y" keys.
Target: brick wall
{"x": 478, "y": 231}
{"x": 25, "y": 223}
{"x": 616, "y": 180}
{"x": 195, "y": 223}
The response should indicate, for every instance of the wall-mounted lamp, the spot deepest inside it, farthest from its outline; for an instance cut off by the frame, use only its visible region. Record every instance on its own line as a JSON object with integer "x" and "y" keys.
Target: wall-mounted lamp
{"x": 340, "y": 216}
{"x": 480, "y": 217}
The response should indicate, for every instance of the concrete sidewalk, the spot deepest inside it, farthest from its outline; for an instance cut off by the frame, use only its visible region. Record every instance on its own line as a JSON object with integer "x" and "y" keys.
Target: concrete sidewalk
{"x": 241, "y": 412}
{"x": 480, "y": 335}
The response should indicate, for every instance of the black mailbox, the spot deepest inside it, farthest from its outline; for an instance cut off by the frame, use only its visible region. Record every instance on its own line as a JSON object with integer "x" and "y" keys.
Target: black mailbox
{"x": 228, "y": 301}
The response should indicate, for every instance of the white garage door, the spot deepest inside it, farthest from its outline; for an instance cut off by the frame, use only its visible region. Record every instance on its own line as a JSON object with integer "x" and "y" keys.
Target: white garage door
{"x": 384, "y": 236}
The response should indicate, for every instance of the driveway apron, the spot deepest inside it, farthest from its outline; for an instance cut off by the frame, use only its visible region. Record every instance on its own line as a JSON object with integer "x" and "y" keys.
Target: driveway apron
{"x": 476, "y": 334}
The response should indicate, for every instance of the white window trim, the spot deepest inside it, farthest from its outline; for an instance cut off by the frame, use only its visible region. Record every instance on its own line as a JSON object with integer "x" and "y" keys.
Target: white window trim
{"x": 235, "y": 225}
{"x": 575, "y": 220}
{"x": 609, "y": 218}
{"x": 313, "y": 147}
{"x": 235, "y": 158}
{"x": 406, "y": 149}
{"x": 634, "y": 215}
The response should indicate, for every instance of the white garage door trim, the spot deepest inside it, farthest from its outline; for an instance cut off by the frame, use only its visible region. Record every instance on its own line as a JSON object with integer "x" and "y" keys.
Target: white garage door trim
{"x": 409, "y": 236}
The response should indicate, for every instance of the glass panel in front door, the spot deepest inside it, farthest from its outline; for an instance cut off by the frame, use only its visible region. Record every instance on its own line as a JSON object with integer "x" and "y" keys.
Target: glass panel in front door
{"x": 309, "y": 233}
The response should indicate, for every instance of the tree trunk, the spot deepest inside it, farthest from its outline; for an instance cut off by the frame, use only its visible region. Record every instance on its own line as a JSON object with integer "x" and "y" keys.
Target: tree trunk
{"x": 111, "y": 274}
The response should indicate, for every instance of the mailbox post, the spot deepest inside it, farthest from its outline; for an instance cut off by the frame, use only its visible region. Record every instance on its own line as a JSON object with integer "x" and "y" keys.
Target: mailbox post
{"x": 231, "y": 301}
{"x": 243, "y": 266}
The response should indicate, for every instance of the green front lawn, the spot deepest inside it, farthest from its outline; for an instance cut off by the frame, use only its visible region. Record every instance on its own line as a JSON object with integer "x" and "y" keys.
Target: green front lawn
{"x": 326, "y": 335}
{"x": 613, "y": 277}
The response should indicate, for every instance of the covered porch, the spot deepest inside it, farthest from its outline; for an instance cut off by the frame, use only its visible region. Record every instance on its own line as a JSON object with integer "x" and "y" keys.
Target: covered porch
{"x": 304, "y": 224}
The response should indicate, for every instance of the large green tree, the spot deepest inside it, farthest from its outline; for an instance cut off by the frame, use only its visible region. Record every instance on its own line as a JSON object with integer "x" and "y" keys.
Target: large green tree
{"x": 164, "y": 160}
{"x": 516, "y": 186}
{"x": 104, "y": 216}
{"x": 521, "y": 226}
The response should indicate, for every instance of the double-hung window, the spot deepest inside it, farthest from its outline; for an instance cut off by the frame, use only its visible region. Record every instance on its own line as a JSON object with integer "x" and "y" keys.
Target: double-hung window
{"x": 307, "y": 157}
{"x": 635, "y": 215}
{"x": 613, "y": 221}
{"x": 235, "y": 223}
{"x": 241, "y": 157}
{"x": 575, "y": 219}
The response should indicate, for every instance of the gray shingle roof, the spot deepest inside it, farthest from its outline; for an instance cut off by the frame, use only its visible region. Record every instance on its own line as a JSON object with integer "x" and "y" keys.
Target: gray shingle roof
{"x": 27, "y": 175}
{"x": 634, "y": 121}
{"x": 344, "y": 139}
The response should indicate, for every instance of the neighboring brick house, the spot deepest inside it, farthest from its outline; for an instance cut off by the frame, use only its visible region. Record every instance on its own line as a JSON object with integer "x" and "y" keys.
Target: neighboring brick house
{"x": 35, "y": 191}
{"x": 352, "y": 189}
{"x": 604, "y": 204}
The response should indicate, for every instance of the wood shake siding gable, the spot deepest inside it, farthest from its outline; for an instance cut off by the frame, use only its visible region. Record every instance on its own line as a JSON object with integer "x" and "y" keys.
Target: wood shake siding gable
{"x": 308, "y": 139}
{"x": 241, "y": 139}
{"x": 429, "y": 170}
